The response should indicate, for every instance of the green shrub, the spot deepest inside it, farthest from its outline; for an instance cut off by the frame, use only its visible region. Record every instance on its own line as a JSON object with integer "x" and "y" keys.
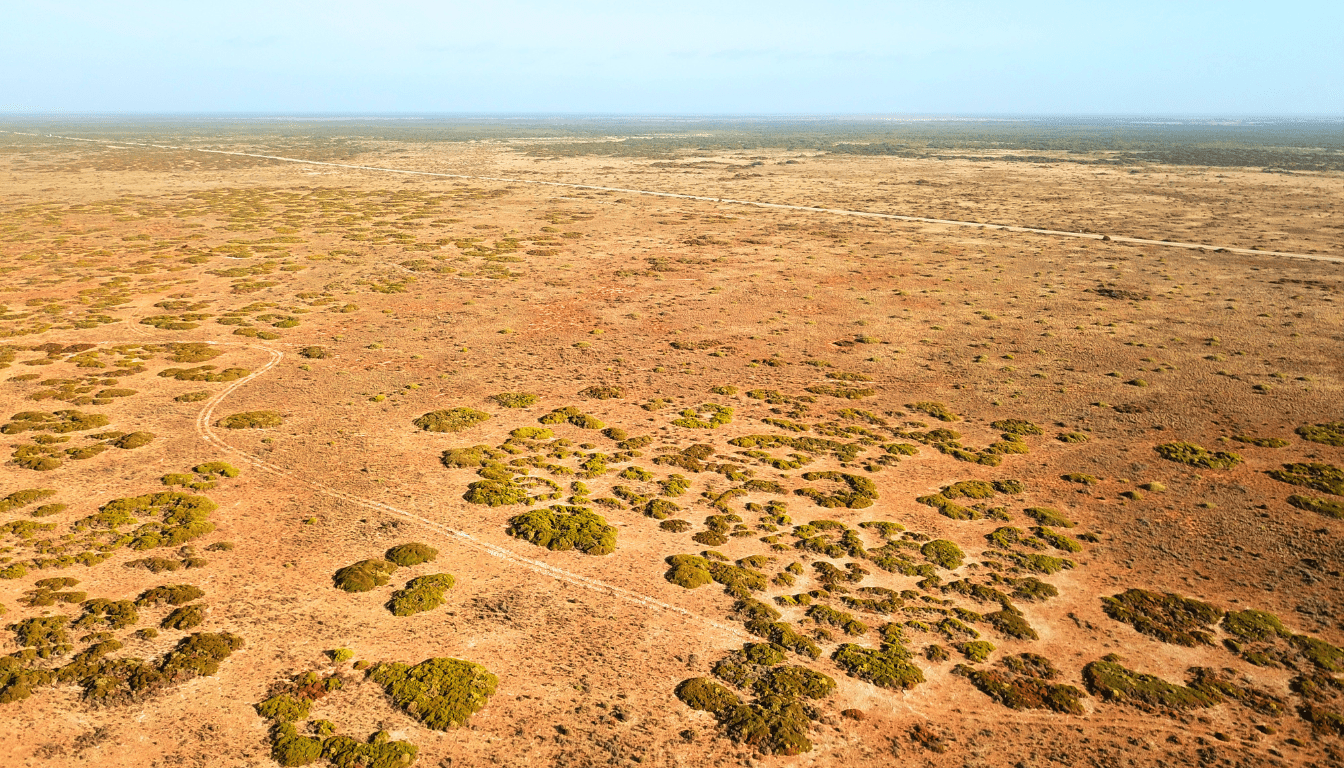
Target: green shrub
{"x": 192, "y": 397}
{"x": 1324, "y": 655}
{"x": 413, "y": 553}
{"x": 943, "y": 553}
{"x": 1016, "y": 427}
{"x": 284, "y": 708}
{"x": 691, "y": 418}
{"x": 773, "y": 725}
{"x": 441, "y": 693}
{"x": 1254, "y": 626}
{"x": 420, "y": 594}
{"x": 571, "y": 415}
{"x": 514, "y": 399}
{"x": 1168, "y": 617}
{"x": 562, "y": 528}
{"x": 1326, "y": 478}
{"x": 860, "y": 493}
{"x": 23, "y": 498}
{"x": 46, "y": 635}
{"x": 724, "y": 389}
{"x": 889, "y": 666}
{"x": 1114, "y": 683}
{"x": 204, "y": 373}
{"x": 1071, "y": 437}
{"x": 1325, "y": 507}
{"x": 251, "y": 420}
{"x": 134, "y": 440}
{"x": 174, "y": 594}
{"x": 378, "y": 752}
{"x": 1048, "y": 517}
{"x": 675, "y": 526}
{"x": 706, "y": 695}
{"x": 976, "y": 651}
{"x": 1024, "y": 683}
{"x": 532, "y": 433}
{"x": 1011, "y": 623}
{"x": 364, "y": 575}
{"x": 451, "y": 420}
{"x": 1326, "y": 434}
{"x": 185, "y": 617}
{"x": 314, "y": 353}
{"x": 182, "y": 518}
{"x": 1196, "y": 456}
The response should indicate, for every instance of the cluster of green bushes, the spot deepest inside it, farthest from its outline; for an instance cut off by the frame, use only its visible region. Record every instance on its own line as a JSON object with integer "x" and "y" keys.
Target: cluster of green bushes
{"x": 945, "y": 500}
{"x": 203, "y": 476}
{"x": 1025, "y": 682}
{"x": 1326, "y": 478}
{"x": 859, "y": 492}
{"x": 1331, "y": 433}
{"x": 563, "y": 528}
{"x": 206, "y": 373}
{"x": 776, "y": 722}
{"x": 441, "y": 693}
{"x": 572, "y": 415}
{"x": 1193, "y": 455}
{"x": 451, "y": 420}
{"x": 888, "y": 666}
{"x": 694, "y": 418}
{"x": 420, "y": 594}
{"x": 103, "y": 680}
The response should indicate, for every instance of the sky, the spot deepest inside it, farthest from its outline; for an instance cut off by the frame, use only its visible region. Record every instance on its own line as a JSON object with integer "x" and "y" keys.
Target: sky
{"x": 744, "y": 57}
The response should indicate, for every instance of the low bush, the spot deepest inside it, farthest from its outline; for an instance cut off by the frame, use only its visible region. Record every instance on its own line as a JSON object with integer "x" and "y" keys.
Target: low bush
{"x": 413, "y": 553}
{"x": 562, "y": 528}
{"x": 251, "y": 420}
{"x": 441, "y": 693}
{"x": 1196, "y": 456}
{"x": 1168, "y": 617}
{"x": 1114, "y": 683}
{"x": 451, "y": 420}
{"x": 363, "y": 576}
{"x": 420, "y": 594}
{"x": 514, "y": 399}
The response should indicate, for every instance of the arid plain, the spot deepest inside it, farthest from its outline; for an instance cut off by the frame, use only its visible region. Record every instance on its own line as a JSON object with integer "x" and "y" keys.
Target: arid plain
{"x": 661, "y": 481}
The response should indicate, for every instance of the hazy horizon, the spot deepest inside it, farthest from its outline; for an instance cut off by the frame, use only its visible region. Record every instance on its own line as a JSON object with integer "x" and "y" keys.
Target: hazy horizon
{"x": 594, "y": 57}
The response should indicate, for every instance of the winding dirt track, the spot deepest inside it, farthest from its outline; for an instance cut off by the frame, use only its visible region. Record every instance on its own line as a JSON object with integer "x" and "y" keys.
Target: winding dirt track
{"x": 807, "y": 208}
{"x": 204, "y": 429}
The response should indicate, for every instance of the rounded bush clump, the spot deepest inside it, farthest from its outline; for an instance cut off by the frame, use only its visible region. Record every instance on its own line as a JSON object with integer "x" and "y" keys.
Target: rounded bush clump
{"x": 413, "y": 553}
{"x": 451, "y": 420}
{"x": 364, "y": 575}
{"x": 420, "y": 594}
{"x": 192, "y": 397}
{"x": 1196, "y": 456}
{"x": 186, "y": 617}
{"x": 514, "y": 399}
{"x": 706, "y": 695}
{"x": 675, "y": 526}
{"x": 251, "y": 420}
{"x": 441, "y": 693}
{"x": 602, "y": 393}
{"x": 562, "y": 528}
{"x": 1326, "y": 434}
{"x": 313, "y": 353}
{"x": 943, "y": 552}
{"x": 134, "y": 440}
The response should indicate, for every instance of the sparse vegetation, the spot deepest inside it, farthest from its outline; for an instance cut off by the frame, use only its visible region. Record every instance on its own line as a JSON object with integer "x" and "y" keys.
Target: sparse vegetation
{"x": 251, "y": 420}
{"x": 451, "y": 420}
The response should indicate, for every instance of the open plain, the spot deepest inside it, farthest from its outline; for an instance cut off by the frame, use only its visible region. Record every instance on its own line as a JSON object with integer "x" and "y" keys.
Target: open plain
{"x": 314, "y": 464}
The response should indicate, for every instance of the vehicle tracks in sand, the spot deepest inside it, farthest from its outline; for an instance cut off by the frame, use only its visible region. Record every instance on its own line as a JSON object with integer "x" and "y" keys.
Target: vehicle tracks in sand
{"x": 206, "y": 432}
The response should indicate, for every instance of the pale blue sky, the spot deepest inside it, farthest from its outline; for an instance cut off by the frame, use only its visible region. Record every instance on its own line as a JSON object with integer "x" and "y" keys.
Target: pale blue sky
{"x": 683, "y": 57}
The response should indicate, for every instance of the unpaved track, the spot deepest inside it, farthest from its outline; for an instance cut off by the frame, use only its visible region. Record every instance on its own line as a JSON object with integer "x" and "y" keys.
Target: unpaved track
{"x": 728, "y": 201}
{"x": 206, "y": 432}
